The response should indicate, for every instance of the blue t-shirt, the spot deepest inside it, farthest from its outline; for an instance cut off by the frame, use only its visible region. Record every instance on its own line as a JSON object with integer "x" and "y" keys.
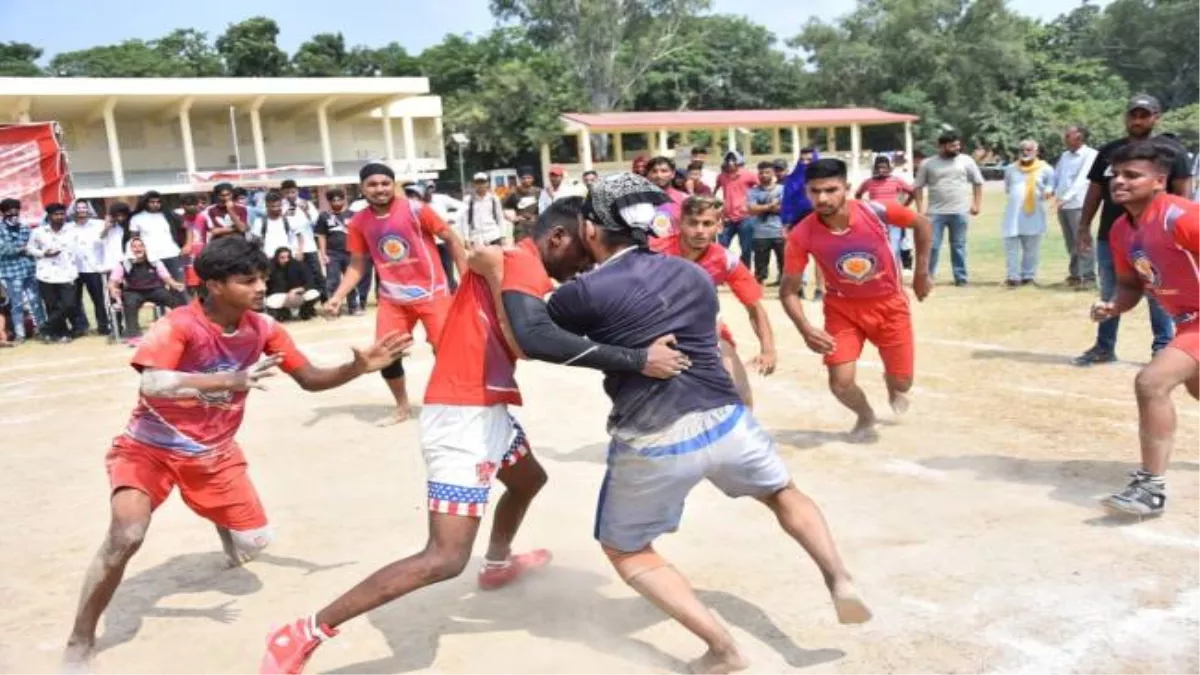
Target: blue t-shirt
{"x": 632, "y": 300}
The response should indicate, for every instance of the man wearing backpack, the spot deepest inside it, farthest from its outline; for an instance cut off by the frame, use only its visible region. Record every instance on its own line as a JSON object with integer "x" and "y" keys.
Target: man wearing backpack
{"x": 481, "y": 220}
{"x": 274, "y": 230}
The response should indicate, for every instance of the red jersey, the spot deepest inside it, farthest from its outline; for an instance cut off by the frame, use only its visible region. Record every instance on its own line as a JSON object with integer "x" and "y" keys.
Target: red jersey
{"x": 198, "y": 224}
{"x": 722, "y": 265}
{"x": 216, "y": 216}
{"x": 857, "y": 262}
{"x": 402, "y": 247}
{"x": 666, "y": 216}
{"x": 884, "y": 189}
{"x": 1163, "y": 251}
{"x": 188, "y": 342}
{"x": 734, "y": 189}
{"x": 474, "y": 365}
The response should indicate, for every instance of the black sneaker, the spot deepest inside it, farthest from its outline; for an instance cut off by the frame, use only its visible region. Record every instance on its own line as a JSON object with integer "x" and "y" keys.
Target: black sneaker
{"x": 960, "y": 282}
{"x": 1142, "y": 497}
{"x": 1093, "y": 356}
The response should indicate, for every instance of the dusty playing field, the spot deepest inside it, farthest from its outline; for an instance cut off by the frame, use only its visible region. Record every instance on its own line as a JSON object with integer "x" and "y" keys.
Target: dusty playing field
{"x": 972, "y": 526}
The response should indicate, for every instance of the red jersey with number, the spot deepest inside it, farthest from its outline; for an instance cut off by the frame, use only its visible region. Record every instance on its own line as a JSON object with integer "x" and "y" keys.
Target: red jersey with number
{"x": 401, "y": 245}
{"x": 474, "y": 364}
{"x": 187, "y": 341}
{"x": 857, "y": 262}
{"x": 1163, "y": 251}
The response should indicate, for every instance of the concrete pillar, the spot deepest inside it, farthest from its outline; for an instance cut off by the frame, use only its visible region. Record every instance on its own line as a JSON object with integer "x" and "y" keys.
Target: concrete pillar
{"x": 803, "y": 137}
{"x": 663, "y": 142}
{"x": 908, "y": 148}
{"x": 260, "y": 151}
{"x": 855, "y": 150}
{"x": 776, "y": 141}
{"x": 114, "y": 143}
{"x": 831, "y": 139}
{"x": 618, "y": 147}
{"x": 545, "y": 157}
{"x": 185, "y": 135}
{"x": 410, "y": 139}
{"x": 585, "y": 149}
{"x": 731, "y": 140}
{"x": 389, "y": 142}
{"x": 326, "y": 144}
{"x": 795, "y": 144}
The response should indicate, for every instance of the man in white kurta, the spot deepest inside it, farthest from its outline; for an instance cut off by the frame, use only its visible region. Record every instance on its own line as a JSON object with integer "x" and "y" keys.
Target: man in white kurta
{"x": 1028, "y": 185}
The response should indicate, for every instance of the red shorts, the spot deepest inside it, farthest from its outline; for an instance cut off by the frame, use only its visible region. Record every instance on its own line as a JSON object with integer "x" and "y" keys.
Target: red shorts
{"x": 214, "y": 485}
{"x": 723, "y": 333}
{"x": 886, "y": 322}
{"x": 431, "y": 315}
{"x": 1187, "y": 339}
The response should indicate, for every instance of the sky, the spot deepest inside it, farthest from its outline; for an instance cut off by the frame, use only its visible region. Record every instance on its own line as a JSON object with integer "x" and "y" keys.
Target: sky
{"x": 63, "y": 25}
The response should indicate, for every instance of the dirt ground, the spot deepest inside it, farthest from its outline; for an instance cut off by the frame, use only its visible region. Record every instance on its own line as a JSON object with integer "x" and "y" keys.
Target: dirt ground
{"x": 972, "y": 526}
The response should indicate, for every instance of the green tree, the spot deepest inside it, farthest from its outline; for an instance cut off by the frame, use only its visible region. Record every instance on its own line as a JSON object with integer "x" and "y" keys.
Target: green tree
{"x": 250, "y": 49}
{"x": 131, "y": 58}
{"x": 609, "y": 44}
{"x": 391, "y": 60}
{"x": 189, "y": 54}
{"x": 1153, "y": 45}
{"x": 323, "y": 55}
{"x": 19, "y": 59}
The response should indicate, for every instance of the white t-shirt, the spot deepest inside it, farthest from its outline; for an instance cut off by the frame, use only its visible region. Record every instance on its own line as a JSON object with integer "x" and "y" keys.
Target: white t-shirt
{"x": 301, "y": 218}
{"x": 114, "y": 252}
{"x": 274, "y": 235}
{"x": 89, "y": 257}
{"x": 155, "y": 232}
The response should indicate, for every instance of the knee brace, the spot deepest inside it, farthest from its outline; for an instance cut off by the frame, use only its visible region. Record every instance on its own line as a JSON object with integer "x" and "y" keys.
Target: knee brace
{"x": 252, "y": 541}
{"x": 394, "y": 371}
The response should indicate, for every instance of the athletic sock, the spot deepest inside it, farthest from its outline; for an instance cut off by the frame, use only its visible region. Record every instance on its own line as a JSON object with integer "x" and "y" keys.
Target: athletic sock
{"x": 497, "y": 564}
{"x": 316, "y": 630}
{"x": 1157, "y": 480}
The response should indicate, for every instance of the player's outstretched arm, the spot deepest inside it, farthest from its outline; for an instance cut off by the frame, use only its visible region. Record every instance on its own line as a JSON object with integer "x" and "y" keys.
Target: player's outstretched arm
{"x": 766, "y": 359}
{"x": 350, "y": 278}
{"x": 174, "y": 384}
{"x": 378, "y": 356}
{"x": 923, "y": 243}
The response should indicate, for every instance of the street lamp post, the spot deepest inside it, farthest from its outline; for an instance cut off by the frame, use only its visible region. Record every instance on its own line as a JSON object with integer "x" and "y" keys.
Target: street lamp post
{"x": 461, "y": 141}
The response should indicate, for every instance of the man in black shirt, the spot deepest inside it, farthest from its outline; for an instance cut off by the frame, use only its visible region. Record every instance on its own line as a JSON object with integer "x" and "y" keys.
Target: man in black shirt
{"x": 330, "y": 232}
{"x": 1141, "y": 115}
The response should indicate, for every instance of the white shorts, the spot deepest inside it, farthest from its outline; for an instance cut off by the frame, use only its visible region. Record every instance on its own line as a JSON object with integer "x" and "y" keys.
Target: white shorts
{"x": 650, "y": 476}
{"x": 464, "y": 447}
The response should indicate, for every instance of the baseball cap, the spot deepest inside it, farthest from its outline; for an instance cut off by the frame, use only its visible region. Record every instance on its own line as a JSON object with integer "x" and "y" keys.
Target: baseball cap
{"x": 557, "y": 170}
{"x": 481, "y": 176}
{"x": 735, "y": 156}
{"x": 1144, "y": 102}
{"x": 780, "y": 164}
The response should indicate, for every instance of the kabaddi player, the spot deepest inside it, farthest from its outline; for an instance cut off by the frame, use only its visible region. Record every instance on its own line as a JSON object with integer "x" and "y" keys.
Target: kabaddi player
{"x": 1156, "y": 246}
{"x": 468, "y": 434}
{"x": 397, "y": 234}
{"x": 668, "y": 435}
{"x": 864, "y": 298}
{"x": 696, "y": 240}
{"x": 197, "y": 365}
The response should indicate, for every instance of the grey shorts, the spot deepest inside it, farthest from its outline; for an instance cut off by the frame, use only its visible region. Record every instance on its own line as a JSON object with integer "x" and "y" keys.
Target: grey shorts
{"x": 649, "y": 477}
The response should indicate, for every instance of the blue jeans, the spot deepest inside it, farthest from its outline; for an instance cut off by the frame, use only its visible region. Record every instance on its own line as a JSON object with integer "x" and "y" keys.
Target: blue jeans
{"x": 957, "y": 224}
{"x": 19, "y": 290}
{"x": 1106, "y": 332}
{"x": 895, "y": 238}
{"x": 744, "y": 229}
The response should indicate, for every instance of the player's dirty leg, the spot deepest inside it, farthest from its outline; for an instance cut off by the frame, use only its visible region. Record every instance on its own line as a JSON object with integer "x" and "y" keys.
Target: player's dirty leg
{"x": 737, "y": 371}
{"x": 392, "y": 317}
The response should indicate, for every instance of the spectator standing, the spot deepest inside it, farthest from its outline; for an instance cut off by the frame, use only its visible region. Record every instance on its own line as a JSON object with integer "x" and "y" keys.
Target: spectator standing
{"x": 17, "y": 269}
{"x": 661, "y": 172}
{"x": 734, "y": 184}
{"x": 196, "y": 222}
{"x": 225, "y": 216}
{"x": 557, "y": 189}
{"x": 521, "y": 206}
{"x": 136, "y": 281}
{"x": 481, "y": 220}
{"x": 1028, "y": 185}
{"x": 696, "y": 184}
{"x": 56, "y": 247}
{"x": 330, "y": 233}
{"x": 157, "y": 231}
{"x": 1142, "y": 114}
{"x": 955, "y": 188}
{"x": 448, "y": 208}
{"x": 89, "y": 233}
{"x": 589, "y": 178}
{"x": 1070, "y": 187}
{"x": 883, "y": 187}
{"x": 302, "y": 215}
{"x": 707, "y": 176}
{"x": 796, "y": 207}
{"x": 763, "y": 204}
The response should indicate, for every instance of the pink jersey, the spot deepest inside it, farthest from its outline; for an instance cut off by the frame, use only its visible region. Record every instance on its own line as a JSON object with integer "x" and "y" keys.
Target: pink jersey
{"x": 857, "y": 262}
{"x": 1162, "y": 251}
{"x": 401, "y": 245}
{"x": 734, "y": 189}
{"x": 187, "y": 341}
{"x": 884, "y": 189}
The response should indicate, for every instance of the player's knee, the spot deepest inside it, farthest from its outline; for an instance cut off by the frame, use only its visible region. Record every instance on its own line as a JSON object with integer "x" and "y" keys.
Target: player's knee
{"x": 1149, "y": 384}
{"x": 124, "y": 539}
{"x": 393, "y": 371}
{"x": 841, "y": 386}
{"x": 445, "y": 564}
{"x": 253, "y": 541}
{"x": 899, "y": 383}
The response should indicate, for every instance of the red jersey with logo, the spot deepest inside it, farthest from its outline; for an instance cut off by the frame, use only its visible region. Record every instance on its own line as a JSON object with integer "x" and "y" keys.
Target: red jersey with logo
{"x": 1163, "y": 251}
{"x": 186, "y": 341}
{"x": 666, "y": 216}
{"x": 857, "y": 262}
{"x": 401, "y": 245}
{"x": 884, "y": 189}
{"x": 723, "y": 267}
{"x": 474, "y": 364}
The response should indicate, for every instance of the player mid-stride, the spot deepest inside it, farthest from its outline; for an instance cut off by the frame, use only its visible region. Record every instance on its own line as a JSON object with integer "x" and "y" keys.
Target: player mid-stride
{"x": 197, "y": 365}
{"x": 1156, "y": 248}
{"x": 864, "y": 297}
{"x": 696, "y": 240}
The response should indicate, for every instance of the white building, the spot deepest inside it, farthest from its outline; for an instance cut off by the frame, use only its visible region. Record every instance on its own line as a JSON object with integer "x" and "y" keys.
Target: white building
{"x": 125, "y": 136}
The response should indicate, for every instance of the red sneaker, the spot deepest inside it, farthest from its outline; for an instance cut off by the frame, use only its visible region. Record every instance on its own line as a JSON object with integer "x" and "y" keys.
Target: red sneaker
{"x": 491, "y": 578}
{"x": 289, "y": 648}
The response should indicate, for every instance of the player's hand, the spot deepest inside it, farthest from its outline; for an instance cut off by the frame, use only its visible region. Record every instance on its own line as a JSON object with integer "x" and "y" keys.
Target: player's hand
{"x": 1083, "y": 241}
{"x": 1103, "y": 311}
{"x": 974, "y": 209}
{"x": 383, "y": 353}
{"x": 764, "y": 363}
{"x": 819, "y": 341}
{"x": 176, "y": 286}
{"x": 487, "y": 262}
{"x": 332, "y": 307}
{"x": 252, "y": 377}
{"x": 663, "y": 361}
{"x": 922, "y": 285}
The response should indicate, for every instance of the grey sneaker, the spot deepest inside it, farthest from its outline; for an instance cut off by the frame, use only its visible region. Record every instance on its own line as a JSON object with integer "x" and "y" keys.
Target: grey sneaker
{"x": 1141, "y": 497}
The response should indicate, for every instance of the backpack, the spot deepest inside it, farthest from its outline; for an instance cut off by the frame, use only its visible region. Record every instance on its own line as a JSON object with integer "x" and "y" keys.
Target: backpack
{"x": 260, "y": 240}
{"x": 471, "y": 211}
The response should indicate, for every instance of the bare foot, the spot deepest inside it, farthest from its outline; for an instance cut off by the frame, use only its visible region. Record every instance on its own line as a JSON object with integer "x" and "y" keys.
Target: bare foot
{"x": 401, "y": 414}
{"x": 77, "y": 657}
{"x": 234, "y": 555}
{"x": 864, "y": 431}
{"x": 727, "y": 661}
{"x": 849, "y": 604}
{"x": 900, "y": 403}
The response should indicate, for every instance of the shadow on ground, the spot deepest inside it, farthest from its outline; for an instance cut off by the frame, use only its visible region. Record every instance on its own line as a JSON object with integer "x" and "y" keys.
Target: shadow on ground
{"x": 372, "y": 413}
{"x": 561, "y": 604}
{"x": 1074, "y": 481}
{"x": 138, "y": 597}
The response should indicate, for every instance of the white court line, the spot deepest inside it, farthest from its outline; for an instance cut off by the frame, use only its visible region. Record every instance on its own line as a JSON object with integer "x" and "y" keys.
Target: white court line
{"x": 1160, "y": 538}
{"x": 64, "y": 376}
{"x": 1086, "y": 397}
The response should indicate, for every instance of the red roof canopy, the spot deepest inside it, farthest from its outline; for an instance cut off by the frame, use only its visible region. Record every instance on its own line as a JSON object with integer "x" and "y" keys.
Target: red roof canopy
{"x": 754, "y": 119}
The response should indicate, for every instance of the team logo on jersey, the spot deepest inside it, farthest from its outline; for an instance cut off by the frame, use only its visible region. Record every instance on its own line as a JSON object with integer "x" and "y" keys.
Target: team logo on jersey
{"x": 1146, "y": 269}
{"x": 661, "y": 224}
{"x": 393, "y": 248}
{"x": 857, "y": 266}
